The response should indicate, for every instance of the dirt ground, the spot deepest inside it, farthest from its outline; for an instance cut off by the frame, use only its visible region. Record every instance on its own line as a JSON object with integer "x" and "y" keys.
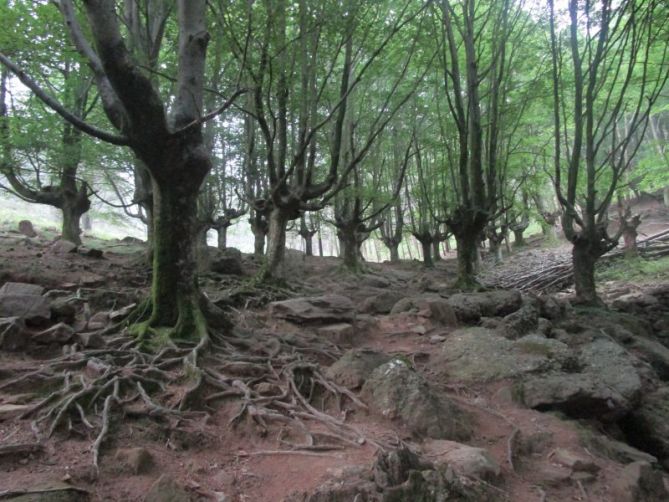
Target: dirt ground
{"x": 216, "y": 461}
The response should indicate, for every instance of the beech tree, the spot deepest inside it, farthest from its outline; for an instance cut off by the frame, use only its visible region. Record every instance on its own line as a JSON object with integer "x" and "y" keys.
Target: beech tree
{"x": 606, "y": 50}
{"x": 70, "y": 194}
{"x": 165, "y": 134}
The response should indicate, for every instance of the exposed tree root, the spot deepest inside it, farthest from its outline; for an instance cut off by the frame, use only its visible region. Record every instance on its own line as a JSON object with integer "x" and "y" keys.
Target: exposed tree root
{"x": 276, "y": 379}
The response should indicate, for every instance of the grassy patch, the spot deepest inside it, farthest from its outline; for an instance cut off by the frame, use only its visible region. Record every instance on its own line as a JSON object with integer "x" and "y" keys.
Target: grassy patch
{"x": 634, "y": 269}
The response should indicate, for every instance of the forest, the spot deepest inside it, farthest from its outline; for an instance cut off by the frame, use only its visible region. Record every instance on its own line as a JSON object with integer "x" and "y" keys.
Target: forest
{"x": 456, "y": 214}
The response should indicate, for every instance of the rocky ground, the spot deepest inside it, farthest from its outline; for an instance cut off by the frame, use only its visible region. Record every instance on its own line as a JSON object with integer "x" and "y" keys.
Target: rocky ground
{"x": 414, "y": 392}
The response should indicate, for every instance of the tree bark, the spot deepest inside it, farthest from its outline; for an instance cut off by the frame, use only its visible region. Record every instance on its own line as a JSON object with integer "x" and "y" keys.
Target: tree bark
{"x": 308, "y": 245}
{"x": 394, "y": 248}
{"x": 276, "y": 245}
{"x": 518, "y": 239}
{"x": 426, "y": 249}
{"x": 584, "y": 273}
{"x": 467, "y": 244}
{"x": 436, "y": 253}
{"x": 665, "y": 196}
{"x": 72, "y": 212}
{"x": 222, "y": 237}
{"x": 174, "y": 290}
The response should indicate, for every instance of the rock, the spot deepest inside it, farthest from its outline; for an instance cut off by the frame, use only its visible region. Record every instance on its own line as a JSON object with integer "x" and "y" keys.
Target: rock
{"x": 63, "y": 310}
{"x": 613, "y": 449}
{"x": 59, "y": 333}
{"x": 12, "y": 334}
{"x": 355, "y": 366}
{"x": 166, "y": 489}
{"x": 374, "y": 281}
{"x": 607, "y": 386}
{"x": 521, "y": 322}
{"x": 639, "y": 482}
{"x": 26, "y": 228}
{"x": 397, "y": 392}
{"x": 398, "y": 476}
{"x": 403, "y": 305}
{"x": 228, "y": 262}
{"x": 340, "y": 333}
{"x": 10, "y": 411}
{"x": 99, "y": 320}
{"x": 550, "y": 308}
{"x": 647, "y": 426}
{"x": 323, "y": 309}
{"x": 21, "y": 288}
{"x": 481, "y": 355}
{"x": 437, "y": 309}
{"x": 90, "y": 340}
{"x": 464, "y": 460}
{"x": 62, "y": 247}
{"x": 469, "y": 307}
{"x": 635, "y": 302}
{"x": 90, "y": 252}
{"x": 574, "y": 461}
{"x": 552, "y": 476}
{"x": 381, "y": 303}
{"x": 133, "y": 460}
{"x": 34, "y": 309}
{"x": 55, "y": 491}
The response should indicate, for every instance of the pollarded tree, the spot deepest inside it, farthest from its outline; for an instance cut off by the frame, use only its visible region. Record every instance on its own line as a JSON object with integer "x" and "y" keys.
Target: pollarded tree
{"x": 167, "y": 139}
{"x": 25, "y": 168}
{"x": 302, "y": 72}
{"x": 617, "y": 57}
{"x": 481, "y": 41}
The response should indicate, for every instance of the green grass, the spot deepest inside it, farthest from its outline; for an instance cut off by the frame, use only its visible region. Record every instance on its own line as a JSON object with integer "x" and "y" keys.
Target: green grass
{"x": 634, "y": 269}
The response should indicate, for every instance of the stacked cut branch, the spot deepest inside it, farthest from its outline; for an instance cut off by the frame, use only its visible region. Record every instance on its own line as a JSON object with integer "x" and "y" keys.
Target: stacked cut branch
{"x": 554, "y": 271}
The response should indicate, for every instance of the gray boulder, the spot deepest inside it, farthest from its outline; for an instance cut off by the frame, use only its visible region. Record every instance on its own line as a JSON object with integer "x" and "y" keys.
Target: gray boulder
{"x": 355, "y": 366}
{"x": 469, "y": 307}
{"x": 639, "y": 482}
{"x": 24, "y": 301}
{"x": 228, "y": 262}
{"x": 12, "y": 334}
{"x": 381, "y": 303}
{"x": 482, "y": 355}
{"x": 648, "y": 423}
{"x": 323, "y": 309}
{"x": 397, "y": 392}
{"x": 607, "y": 385}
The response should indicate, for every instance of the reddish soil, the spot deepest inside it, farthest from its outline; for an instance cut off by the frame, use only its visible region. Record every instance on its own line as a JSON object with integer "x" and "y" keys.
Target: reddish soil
{"x": 213, "y": 458}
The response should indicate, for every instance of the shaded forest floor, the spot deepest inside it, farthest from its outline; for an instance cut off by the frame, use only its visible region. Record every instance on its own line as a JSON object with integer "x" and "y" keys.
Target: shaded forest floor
{"x": 550, "y": 448}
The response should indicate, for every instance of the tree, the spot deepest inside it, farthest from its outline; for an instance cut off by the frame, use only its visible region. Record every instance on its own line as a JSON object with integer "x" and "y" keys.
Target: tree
{"x": 169, "y": 141}
{"x": 71, "y": 194}
{"x": 608, "y": 50}
{"x": 476, "y": 79}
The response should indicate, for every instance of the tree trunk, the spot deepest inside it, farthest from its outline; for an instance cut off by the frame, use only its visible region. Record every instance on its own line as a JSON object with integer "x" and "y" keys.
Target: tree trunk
{"x": 496, "y": 250}
{"x": 629, "y": 238}
{"x": 584, "y": 273}
{"x": 320, "y": 243}
{"x": 436, "y": 253}
{"x": 276, "y": 245}
{"x": 174, "y": 292}
{"x": 349, "y": 249}
{"x": 468, "y": 248}
{"x": 86, "y": 222}
{"x": 426, "y": 248}
{"x": 665, "y": 194}
{"x": 259, "y": 243}
{"x": 222, "y": 237}
{"x": 71, "y": 229}
{"x": 308, "y": 246}
{"x": 518, "y": 239}
{"x": 394, "y": 248}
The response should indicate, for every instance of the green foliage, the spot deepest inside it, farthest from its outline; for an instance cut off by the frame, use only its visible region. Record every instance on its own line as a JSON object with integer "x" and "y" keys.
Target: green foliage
{"x": 634, "y": 269}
